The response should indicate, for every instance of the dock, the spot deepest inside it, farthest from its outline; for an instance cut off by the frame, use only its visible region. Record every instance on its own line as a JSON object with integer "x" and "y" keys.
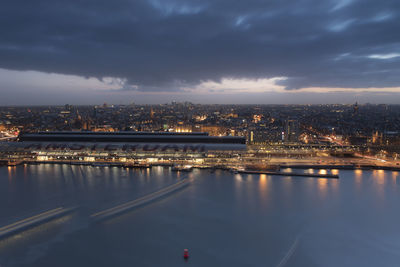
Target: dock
{"x": 330, "y": 176}
{"x": 342, "y": 166}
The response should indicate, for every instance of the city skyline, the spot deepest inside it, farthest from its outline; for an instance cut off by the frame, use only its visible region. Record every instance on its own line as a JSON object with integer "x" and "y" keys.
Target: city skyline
{"x": 152, "y": 52}
{"x": 201, "y": 132}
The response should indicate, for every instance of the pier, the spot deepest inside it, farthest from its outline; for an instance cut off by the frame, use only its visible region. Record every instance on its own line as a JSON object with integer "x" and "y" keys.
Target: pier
{"x": 331, "y": 176}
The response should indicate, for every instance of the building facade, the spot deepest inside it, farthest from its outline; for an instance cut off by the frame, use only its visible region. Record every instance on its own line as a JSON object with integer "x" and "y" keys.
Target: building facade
{"x": 122, "y": 147}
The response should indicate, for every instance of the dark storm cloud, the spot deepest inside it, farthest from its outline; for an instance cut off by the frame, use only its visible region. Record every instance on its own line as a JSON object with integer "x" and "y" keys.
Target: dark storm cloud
{"x": 164, "y": 44}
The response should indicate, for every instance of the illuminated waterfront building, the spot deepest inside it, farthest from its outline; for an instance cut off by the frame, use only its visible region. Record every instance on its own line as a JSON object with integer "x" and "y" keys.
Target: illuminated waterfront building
{"x": 122, "y": 147}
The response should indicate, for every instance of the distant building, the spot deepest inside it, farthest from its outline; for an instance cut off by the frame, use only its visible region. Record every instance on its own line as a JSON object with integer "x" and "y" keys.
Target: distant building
{"x": 151, "y": 113}
{"x": 355, "y": 108}
{"x": 291, "y": 131}
{"x": 183, "y": 129}
{"x": 214, "y": 130}
{"x": 358, "y": 140}
{"x": 377, "y": 138}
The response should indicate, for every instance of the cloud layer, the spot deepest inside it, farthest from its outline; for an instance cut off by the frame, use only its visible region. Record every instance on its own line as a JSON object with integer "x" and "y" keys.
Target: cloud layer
{"x": 167, "y": 45}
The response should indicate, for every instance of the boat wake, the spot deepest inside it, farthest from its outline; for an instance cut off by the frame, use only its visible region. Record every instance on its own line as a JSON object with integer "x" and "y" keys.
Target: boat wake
{"x": 290, "y": 252}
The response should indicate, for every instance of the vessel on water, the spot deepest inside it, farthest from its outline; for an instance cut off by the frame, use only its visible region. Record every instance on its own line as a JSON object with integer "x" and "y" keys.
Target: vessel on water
{"x": 14, "y": 162}
{"x": 186, "y": 168}
{"x": 137, "y": 165}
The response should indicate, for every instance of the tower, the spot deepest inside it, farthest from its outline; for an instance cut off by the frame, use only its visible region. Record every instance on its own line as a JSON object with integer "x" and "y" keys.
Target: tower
{"x": 291, "y": 131}
{"x": 151, "y": 113}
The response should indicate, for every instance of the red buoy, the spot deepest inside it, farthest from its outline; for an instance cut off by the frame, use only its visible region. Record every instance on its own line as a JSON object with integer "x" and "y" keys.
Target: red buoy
{"x": 186, "y": 254}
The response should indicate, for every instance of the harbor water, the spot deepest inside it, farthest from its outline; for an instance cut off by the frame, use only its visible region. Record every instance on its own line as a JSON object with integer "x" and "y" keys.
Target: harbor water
{"x": 223, "y": 218}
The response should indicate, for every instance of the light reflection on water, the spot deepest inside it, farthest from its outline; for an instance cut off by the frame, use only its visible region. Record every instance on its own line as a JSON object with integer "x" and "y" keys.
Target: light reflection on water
{"x": 263, "y": 182}
{"x": 238, "y": 177}
{"x": 358, "y": 178}
{"x": 335, "y": 185}
{"x": 25, "y": 172}
{"x": 322, "y": 186}
{"x": 263, "y": 188}
{"x": 394, "y": 178}
{"x": 11, "y": 172}
{"x": 35, "y": 232}
{"x": 335, "y": 171}
{"x": 379, "y": 179}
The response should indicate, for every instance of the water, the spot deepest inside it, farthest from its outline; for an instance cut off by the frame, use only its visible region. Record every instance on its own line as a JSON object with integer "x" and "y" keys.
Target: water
{"x": 224, "y": 219}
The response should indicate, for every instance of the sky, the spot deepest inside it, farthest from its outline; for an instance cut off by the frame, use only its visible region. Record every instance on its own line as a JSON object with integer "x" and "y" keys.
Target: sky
{"x": 202, "y": 51}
